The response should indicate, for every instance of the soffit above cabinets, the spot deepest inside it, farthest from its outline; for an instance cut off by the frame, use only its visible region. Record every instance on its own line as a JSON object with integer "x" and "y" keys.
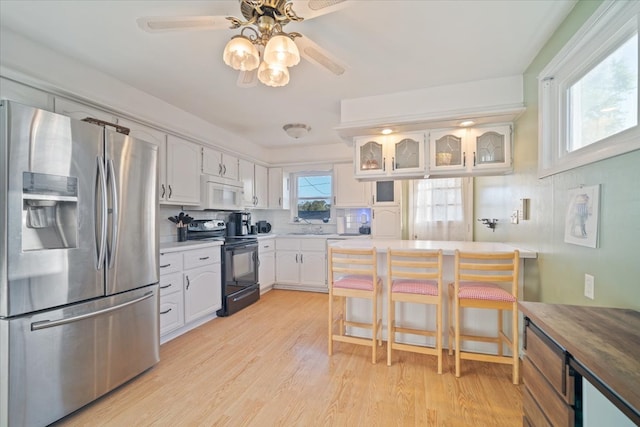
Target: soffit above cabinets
{"x": 499, "y": 100}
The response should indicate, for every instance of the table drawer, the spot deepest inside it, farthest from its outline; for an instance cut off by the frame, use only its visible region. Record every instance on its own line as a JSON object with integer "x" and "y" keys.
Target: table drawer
{"x": 201, "y": 257}
{"x": 550, "y": 360}
{"x": 170, "y": 283}
{"x": 170, "y": 262}
{"x": 549, "y": 401}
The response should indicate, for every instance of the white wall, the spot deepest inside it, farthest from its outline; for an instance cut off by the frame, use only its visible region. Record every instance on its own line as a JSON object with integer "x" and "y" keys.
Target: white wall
{"x": 33, "y": 64}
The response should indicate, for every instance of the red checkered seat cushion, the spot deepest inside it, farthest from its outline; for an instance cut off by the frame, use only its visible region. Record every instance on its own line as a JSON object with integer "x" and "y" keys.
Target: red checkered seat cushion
{"x": 484, "y": 291}
{"x": 415, "y": 286}
{"x": 356, "y": 281}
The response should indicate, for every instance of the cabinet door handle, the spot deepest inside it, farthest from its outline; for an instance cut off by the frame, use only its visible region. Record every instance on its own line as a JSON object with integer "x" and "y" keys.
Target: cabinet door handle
{"x": 474, "y": 158}
{"x": 224, "y": 169}
{"x": 393, "y": 163}
{"x": 296, "y": 258}
{"x": 165, "y": 312}
{"x": 220, "y": 169}
{"x": 163, "y": 190}
{"x": 279, "y": 201}
{"x": 266, "y": 246}
{"x": 165, "y": 266}
{"x": 464, "y": 159}
{"x": 166, "y": 286}
{"x": 301, "y": 260}
{"x": 170, "y": 191}
{"x": 188, "y": 282}
{"x": 203, "y": 258}
{"x": 384, "y": 164}
{"x": 373, "y": 199}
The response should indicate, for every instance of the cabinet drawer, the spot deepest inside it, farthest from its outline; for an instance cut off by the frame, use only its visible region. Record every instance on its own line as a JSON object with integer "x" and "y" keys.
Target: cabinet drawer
{"x": 170, "y": 262}
{"x": 268, "y": 246}
{"x": 549, "y": 401}
{"x": 171, "y": 312}
{"x": 201, "y": 257}
{"x": 170, "y": 283}
{"x": 287, "y": 244}
{"x": 313, "y": 245}
{"x": 533, "y": 415}
{"x": 550, "y": 360}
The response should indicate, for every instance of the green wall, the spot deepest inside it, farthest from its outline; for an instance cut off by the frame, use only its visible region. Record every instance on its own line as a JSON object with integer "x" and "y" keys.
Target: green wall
{"x": 557, "y": 276}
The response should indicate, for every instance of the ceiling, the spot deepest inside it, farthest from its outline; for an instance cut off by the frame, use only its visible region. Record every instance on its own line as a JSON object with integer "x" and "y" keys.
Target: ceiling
{"x": 389, "y": 47}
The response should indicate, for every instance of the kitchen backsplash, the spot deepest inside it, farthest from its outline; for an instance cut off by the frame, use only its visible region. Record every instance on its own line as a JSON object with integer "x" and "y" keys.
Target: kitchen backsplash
{"x": 280, "y": 221}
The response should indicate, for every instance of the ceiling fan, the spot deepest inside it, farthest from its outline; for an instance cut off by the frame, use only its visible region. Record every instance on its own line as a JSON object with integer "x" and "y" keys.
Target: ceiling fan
{"x": 262, "y": 51}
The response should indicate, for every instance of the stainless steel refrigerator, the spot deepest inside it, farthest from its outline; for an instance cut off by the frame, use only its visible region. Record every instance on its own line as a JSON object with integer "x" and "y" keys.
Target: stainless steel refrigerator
{"x": 79, "y": 266}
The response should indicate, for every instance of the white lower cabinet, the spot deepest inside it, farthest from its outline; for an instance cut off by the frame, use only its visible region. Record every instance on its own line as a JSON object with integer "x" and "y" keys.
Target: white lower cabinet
{"x": 190, "y": 288}
{"x": 301, "y": 264}
{"x": 266, "y": 263}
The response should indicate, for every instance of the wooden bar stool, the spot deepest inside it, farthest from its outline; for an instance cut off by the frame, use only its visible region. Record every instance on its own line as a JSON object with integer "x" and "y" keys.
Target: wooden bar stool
{"x": 478, "y": 279}
{"x": 353, "y": 273}
{"x": 414, "y": 277}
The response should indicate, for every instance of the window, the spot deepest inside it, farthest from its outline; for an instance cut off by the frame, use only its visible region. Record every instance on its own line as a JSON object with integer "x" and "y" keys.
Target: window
{"x": 440, "y": 209}
{"x": 589, "y": 92}
{"x": 313, "y": 196}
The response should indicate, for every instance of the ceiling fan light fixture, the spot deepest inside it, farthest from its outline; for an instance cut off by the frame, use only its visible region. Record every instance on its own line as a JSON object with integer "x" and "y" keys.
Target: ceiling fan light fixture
{"x": 281, "y": 49}
{"x": 241, "y": 54}
{"x": 273, "y": 75}
{"x": 296, "y": 130}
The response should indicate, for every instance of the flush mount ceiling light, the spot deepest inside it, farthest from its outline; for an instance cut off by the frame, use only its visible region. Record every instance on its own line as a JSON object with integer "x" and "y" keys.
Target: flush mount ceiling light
{"x": 296, "y": 130}
{"x": 467, "y": 123}
{"x": 386, "y": 131}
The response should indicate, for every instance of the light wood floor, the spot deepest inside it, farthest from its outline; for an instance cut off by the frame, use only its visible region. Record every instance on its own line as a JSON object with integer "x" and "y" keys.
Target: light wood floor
{"x": 268, "y": 366}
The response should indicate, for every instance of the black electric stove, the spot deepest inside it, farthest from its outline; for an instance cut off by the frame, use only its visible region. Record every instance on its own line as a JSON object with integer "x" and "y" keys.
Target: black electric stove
{"x": 239, "y": 254}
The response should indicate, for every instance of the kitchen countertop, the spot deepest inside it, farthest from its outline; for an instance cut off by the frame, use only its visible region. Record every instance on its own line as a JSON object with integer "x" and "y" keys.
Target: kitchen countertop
{"x": 448, "y": 247}
{"x": 189, "y": 244}
{"x": 602, "y": 340}
{"x": 323, "y": 236}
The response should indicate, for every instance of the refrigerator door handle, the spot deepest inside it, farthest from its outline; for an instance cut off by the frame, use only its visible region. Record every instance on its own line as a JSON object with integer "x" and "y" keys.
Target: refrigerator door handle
{"x": 44, "y": 324}
{"x": 102, "y": 177}
{"x": 114, "y": 213}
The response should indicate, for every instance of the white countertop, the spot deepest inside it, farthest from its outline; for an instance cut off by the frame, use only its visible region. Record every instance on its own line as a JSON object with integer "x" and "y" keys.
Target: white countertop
{"x": 189, "y": 244}
{"x": 448, "y": 247}
{"x": 324, "y": 236}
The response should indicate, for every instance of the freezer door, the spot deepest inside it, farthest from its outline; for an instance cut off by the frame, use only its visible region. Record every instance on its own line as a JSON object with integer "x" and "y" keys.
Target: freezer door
{"x": 60, "y": 360}
{"x": 132, "y": 236}
{"x": 49, "y": 168}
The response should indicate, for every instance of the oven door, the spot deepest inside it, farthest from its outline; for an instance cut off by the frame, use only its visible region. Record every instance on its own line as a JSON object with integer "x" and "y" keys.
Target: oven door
{"x": 241, "y": 266}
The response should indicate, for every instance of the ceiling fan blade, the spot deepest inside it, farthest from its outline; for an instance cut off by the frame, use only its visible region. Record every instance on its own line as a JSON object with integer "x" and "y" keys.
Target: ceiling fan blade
{"x": 319, "y": 56}
{"x": 309, "y": 9}
{"x": 248, "y": 78}
{"x": 155, "y": 24}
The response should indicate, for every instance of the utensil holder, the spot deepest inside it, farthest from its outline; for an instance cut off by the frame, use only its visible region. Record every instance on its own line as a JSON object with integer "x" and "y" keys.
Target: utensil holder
{"x": 182, "y": 234}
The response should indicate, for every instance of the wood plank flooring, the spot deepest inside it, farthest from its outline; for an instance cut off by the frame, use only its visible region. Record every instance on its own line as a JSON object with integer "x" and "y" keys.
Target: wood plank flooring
{"x": 268, "y": 366}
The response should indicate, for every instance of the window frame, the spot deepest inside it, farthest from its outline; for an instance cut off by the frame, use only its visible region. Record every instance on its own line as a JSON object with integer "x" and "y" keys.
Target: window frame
{"x": 613, "y": 22}
{"x": 294, "y": 197}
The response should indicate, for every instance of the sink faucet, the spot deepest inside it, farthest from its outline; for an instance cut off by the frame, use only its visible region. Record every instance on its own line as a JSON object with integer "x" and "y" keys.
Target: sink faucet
{"x": 298, "y": 219}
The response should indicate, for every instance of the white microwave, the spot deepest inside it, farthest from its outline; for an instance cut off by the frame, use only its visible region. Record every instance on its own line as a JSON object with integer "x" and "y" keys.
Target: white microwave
{"x": 221, "y": 193}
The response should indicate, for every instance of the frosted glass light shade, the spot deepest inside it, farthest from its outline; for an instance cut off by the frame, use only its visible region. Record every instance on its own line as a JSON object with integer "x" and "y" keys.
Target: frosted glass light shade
{"x": 280, "y": 49}
{"x": 240, "y": 54}
{"x": 273, "y": 74}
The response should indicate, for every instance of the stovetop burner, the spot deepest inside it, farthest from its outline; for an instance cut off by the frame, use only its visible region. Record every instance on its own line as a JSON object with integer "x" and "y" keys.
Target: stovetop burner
{"x": 214, "y": 229}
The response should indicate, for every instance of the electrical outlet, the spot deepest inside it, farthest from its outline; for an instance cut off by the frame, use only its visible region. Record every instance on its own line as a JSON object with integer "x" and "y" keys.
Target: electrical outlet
{"x": 589, "y": 285}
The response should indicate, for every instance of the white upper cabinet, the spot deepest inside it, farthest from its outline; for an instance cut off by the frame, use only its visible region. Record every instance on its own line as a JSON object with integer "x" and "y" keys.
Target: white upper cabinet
{"x": 158, "y": 138}
{"x": 25, "y": 94}
{"x": 183, "y": 172}
{"x": 470, "y": 151}
{"x": 219, "y": 164}
{"x": 79, "y": 111}
{"x": 400, "y": 155}
{"x": 348, "y": 191}
{"x": 255, "y": 179}
{"x": 278, "y": 189}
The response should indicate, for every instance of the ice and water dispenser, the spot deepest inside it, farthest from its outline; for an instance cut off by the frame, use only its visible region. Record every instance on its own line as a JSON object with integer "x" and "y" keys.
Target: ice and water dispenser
{"x": 49, "y": 211}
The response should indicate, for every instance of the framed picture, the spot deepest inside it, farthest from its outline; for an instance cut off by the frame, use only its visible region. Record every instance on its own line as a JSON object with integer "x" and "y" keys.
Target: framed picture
{"x": 581, "y": 221}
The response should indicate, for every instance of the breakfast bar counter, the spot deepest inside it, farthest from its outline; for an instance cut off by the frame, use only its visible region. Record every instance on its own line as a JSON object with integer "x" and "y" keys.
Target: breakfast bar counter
{"x": 420, "y": 316}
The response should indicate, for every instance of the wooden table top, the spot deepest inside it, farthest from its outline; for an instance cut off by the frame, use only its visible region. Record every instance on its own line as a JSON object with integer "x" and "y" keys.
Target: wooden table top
{"x": 604, "y": 341}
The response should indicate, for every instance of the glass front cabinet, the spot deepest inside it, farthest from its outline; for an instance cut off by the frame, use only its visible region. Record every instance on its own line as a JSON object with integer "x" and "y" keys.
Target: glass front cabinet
{"x": 477, "y": 151}
{"x": 401, "y": 155}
